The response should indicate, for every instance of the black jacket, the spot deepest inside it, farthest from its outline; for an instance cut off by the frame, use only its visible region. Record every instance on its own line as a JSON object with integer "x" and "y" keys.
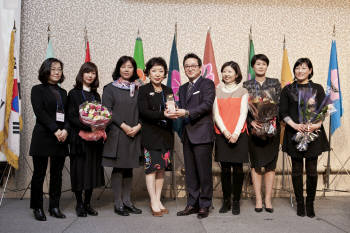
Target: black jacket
{"x": 157, "y": 133}
{"x": 44, "y": 102}
{"x": 75, "y": 99}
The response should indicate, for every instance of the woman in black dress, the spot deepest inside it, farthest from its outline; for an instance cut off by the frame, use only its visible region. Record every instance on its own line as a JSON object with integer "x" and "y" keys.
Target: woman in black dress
{"x": 122, "y": 148}
{"x": 49, "y": 136}
{"x": 263, "y": 151}
{"x": 289, "y": 112}
{"x": 86, "y": 171}
{"x": 231, "y": 144}
{"x": 157, "y": 134}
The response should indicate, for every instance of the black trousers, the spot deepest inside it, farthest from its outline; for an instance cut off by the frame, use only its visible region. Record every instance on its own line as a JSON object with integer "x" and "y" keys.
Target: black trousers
{"x": 311, "y": 178}
{"x": 39, "y": 173}
{"x": 198, "y": 173}
{"x": 231, "y": 181}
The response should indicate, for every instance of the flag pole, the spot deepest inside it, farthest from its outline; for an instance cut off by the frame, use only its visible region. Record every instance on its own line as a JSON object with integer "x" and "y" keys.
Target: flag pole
{"x": 85, "y": 35}
{"x": 329, "y": 135}
{"x": 48, "y": 33}
{"x": 250, "y": 38}
{"x": 176, "y": 34}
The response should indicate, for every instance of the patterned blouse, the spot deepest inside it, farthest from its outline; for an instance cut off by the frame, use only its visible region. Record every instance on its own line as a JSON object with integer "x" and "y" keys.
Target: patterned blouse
{"x": 255, "y": 88}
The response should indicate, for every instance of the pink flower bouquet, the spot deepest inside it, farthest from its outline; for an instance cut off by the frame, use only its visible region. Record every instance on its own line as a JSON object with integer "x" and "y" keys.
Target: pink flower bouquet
{"x": 97, "y": 117}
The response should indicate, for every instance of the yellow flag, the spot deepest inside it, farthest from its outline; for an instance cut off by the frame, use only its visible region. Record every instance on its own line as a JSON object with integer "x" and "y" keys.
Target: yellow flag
{"x": 286, "y": 74}
{"x": 286, "y": 79}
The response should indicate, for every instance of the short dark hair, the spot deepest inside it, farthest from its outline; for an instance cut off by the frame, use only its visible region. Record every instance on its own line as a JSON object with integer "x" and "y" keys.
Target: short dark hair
{"x": 301, "y": 61}
{"x": 87, "y": 67}
{"x": 45, "y": 70}
{"x": 192, "y": 55}
{"x": 236, "y": 68}
{"x": 120, "y": 62}
{"x": 262, "y": 57}
{"x": 156, "y": 61}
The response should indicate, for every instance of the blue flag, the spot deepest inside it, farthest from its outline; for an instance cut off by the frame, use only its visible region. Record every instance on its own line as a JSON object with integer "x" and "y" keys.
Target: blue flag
{"x": 49, "y": 50}
{"x": 174, "y": 82}
{"x": 333, "y": 88}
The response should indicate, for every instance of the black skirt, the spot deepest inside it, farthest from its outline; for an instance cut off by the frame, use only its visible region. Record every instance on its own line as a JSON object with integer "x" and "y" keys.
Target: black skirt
{"x": 86, "y": 171}
{"x": 263, "y": 151}
{"x": 231, "y": 152}
{"x": 156, "y": 160}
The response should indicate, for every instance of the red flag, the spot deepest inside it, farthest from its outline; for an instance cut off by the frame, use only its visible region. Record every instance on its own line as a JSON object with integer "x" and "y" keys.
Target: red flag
{"x": 87, "y": 52}
{"x": 209, "y": 65}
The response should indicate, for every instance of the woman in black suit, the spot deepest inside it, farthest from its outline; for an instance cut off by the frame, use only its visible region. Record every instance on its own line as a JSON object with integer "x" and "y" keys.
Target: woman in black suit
{"x": 157, "y": 135}
{"x": 49, "y": 137}
{"x": 86, "y": 171}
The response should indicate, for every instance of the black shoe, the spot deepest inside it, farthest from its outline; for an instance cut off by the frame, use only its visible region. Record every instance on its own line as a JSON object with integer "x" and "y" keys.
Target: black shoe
{"x": 56, "y": 212}
{"x": 301, "y": 209}
{"x": 258, "y": 210}
{"x": 226, "y": 206}
{"x": 203, "y": 213}
{"x": 187, "y": 211}
{"x": 89, "y": 210}
{"x": 80, "y": 210}
{"x": 235, "y": 208}
{"x": 39, "y": 214}
{"x": 270, "y": 210}
{"x": 132, "y": 209}
{"x": 121, "y": 211}
{"x": 310, "y": 211}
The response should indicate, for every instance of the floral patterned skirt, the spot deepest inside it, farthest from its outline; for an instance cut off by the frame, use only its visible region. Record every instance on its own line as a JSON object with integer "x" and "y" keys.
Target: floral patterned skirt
{"x": 156, "y": 160}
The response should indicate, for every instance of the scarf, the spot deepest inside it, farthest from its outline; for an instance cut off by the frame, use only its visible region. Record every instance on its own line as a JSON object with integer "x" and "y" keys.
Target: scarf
{"x": 126, "y": 85}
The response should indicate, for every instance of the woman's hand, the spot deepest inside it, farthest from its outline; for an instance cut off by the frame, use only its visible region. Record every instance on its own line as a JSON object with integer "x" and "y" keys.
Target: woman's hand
{"x": 227, "y": 134}
{"x": 170, "y": 115}
{"x": 134, "y": 130}
{"x": 58, "y": 134}
{"x": 126, "y": 128}
{"x": 313, "y": 127}
{"x": 234, "y": 138}
{"x": 299, "y": 127}
{"x": 256, "y": 124}
{"x": 64, "y": 135}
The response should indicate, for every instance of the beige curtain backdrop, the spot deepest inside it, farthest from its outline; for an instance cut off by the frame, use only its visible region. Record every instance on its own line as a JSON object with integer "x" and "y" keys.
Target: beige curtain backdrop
{"x": 112, "y": 28}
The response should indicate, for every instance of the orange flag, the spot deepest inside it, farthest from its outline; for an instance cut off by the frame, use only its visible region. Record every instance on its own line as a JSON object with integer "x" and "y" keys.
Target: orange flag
{"x": 209, "y": 65}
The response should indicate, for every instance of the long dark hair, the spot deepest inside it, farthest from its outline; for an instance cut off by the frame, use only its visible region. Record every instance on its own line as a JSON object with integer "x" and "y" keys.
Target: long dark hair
{"x": 45, "y": 70}
{"x": 87, "y": 67}
{"x": 121, "y": 61}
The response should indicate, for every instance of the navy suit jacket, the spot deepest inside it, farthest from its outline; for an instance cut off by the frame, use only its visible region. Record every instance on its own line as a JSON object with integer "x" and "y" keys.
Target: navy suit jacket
{"x": 199, "y": 126}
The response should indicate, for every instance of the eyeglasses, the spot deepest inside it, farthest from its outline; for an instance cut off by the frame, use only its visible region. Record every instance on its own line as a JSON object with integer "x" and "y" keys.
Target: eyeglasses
{"x": 191, "y": 67}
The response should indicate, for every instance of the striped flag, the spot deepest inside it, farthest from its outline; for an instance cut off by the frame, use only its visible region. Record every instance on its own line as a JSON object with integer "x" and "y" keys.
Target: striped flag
{"x": 209, "y": 65}
{"x": 174, "y": 81}
{"x": 138, "y": 56}
{"x": 333, "y": 88}
{"x": 11, "y": 122}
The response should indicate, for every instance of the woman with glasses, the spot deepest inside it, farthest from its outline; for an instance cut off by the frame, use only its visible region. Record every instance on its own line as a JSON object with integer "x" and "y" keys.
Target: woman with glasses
{"x": 122, "y": 148}
{"x": 49, "y": 102}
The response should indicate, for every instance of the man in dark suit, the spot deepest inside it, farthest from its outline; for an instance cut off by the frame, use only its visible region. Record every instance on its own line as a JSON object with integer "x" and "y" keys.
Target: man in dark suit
{"x": 195, "y": 105}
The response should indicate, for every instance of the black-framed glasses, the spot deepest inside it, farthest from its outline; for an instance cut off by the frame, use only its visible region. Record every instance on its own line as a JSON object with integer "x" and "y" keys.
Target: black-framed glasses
{"x": 190, "y": 67}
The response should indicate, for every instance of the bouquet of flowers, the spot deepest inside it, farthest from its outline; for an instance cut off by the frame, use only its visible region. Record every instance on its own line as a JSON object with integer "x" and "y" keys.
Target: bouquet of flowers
{"x": 264, "y": 108}
{"x": 309, "y": 114}
{"x": 97, "y": 117}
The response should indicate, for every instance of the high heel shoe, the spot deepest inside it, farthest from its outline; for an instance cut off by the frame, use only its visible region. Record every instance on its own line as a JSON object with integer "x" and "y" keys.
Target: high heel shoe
{"x": 39, "y": 214}
{"x": 56, "y": 212}
{"x": 258, "y": 210}
{"x": 89, "y": 210}
{"x": 156, "y": 213}
{"x": 164, "y": 211}
{"x": 270, "y": 210}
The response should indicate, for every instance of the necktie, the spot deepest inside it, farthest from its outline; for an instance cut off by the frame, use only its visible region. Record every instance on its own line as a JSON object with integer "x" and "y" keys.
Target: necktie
{"x": 189, "y": 90}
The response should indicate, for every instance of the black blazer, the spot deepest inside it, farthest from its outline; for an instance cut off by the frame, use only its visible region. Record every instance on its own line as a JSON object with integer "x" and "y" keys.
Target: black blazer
{"x": 199, "y": 126}
{"x": 75, "y": 99}
{"x": 44, "y": 142}
{"x": 155, "y": 135}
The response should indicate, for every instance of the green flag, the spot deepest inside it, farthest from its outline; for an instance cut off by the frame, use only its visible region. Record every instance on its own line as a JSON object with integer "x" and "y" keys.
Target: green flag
{"x": 251, "y": 73}
{"x": 49, "y": 50}
{"x": 138, "y": 56}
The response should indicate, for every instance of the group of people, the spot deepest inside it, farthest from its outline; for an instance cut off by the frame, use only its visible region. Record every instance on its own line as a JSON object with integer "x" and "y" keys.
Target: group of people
{"x": 141, "y": 129}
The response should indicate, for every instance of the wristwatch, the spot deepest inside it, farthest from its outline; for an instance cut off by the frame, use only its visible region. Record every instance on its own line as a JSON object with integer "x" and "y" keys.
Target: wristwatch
{"x": 187, "y": 113}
